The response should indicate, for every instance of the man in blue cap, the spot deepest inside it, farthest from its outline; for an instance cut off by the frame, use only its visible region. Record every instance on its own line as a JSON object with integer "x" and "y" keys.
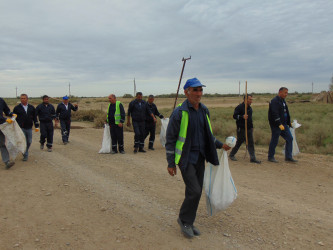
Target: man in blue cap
{"x": 63, "y": 113}
{"x": 189, "y": 142}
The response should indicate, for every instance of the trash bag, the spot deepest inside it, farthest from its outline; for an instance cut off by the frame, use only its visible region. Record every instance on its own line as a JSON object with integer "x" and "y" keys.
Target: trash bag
{"x": 106, "y": 143}
{"x": 219, "y": 186}
{"x": 164, "y": 127}
{"x": 296, "y": 151}
{"x": 15, "y": 139}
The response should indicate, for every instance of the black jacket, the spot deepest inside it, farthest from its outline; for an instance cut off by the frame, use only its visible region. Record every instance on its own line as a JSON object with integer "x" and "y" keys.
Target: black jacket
{"x": 276, "y": 112}
{"x": 112, "y": 110}
{"x": 45, "y": 113}
{"x": 137, "y": 111}
{"x": 26, "y": 119}
{"x": 65, "y": 114}
{"x": 154, "y": 111}
{"x": 238, "y": 116}
{"x": 172, "y": 134}
{"x": 4, "y": 109}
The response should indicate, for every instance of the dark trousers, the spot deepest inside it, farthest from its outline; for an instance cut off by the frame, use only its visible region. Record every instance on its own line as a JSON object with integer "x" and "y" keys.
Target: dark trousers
{"x": 241, "y": 138}
{"x": 193, "y": 176}
{"x": 117, "y": 137}
{"x": 46, "y": 132}
{"x": 139, "y": 134}
{"x": 3, "y": 148}
{"x": 65, "y": 129}
{"x": 150, "y": 128}
{"x": 28, "y": 137}
{"x": 286, "y": 134}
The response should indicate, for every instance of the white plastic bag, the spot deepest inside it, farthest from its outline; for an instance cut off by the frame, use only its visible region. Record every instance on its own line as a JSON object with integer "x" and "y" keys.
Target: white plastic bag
{"x": 219, "y": 186}
{"x": 164, "y": 127}
{"x": 106, "y": 144}
{"x": 15, "y": 139}
{"x": 296, "y": 151}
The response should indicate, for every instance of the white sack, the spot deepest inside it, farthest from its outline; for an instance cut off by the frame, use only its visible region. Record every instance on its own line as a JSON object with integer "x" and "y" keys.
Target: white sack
{"x": 296, "y": 151}
{"x": 219, "y": 186}
{"x": 15, "y": 139}
{"x": 164, "y": 127}
{"x": 106, "y": 144}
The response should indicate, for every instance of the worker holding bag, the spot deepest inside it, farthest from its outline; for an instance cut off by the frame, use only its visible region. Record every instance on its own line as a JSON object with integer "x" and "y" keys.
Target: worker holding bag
{"x": 189, "y": 142}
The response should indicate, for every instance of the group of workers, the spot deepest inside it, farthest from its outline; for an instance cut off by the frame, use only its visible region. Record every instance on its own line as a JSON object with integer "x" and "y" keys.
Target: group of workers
{"x": 189, "y": 136}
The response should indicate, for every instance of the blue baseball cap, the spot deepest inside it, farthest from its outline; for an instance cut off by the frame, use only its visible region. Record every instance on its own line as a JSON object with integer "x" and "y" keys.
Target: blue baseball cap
{"x": 65, "y": 97}
{"x": 194, "y": 82}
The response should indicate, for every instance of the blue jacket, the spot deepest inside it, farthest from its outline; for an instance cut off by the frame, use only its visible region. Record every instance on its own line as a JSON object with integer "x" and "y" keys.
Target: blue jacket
{"x": 276, "y": 112}
{"x": 26, "y": 119}
{"x": 45, "y": 113}
{"x": 65, "y": 114}
{"x": 137, "y": 111}
{"x": 4, "y": 109}
{"x": 172, "y": 136}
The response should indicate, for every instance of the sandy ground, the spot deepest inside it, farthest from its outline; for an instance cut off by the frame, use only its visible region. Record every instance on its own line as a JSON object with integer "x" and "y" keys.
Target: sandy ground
{"x": 75, "y": 198}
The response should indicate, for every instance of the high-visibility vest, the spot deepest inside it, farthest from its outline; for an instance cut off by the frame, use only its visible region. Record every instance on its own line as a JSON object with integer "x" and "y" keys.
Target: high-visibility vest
{"x": 182, "y": 135}
{"x": 117, "y": 115}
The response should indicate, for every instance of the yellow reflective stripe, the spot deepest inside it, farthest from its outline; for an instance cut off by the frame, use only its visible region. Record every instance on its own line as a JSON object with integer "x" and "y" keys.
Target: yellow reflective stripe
{"x": 182, "y": 136}
{"x": 210, "y": 126}
{"x": 107, "y": 115}
{"x": 117, "y": 116}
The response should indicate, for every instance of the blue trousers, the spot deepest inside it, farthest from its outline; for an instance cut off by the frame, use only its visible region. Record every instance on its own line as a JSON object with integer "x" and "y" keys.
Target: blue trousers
{"x": 65, "y": 129}
{"x": 3, "y": 149}
{"x": 28, "y": 137}
{"x": 286, "y": 134}
{"x": 139, "y": 134}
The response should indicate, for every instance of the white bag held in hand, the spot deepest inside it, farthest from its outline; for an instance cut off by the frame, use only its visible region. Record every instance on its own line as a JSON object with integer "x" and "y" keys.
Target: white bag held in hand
{"x": 106, "y": 144}
{"x": 164, "y": 127}
{"x": 219, "y": 186}
{"x": 296, "y": 151}
{"x": 15, "y": 139}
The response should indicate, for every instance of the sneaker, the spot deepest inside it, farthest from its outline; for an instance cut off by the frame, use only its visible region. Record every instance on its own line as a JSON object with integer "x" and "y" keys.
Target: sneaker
{"x": 186, "y": 229}
{"x": 196, "y": 231}
{"x": 272, "y": 160}
{"x": 25, "y": 158}
{"x": 291, "y": 160}
{"x": 233, "y": 158}
{"x": 113, "y": 152}
{"x": 255, "y": 161}
{"x": 9, "y": 164}
{"x": 65, "y": 142}
{"x": 151, "y": 148}
{"x": 142, "y": 150}
{"x": 135, "y": 150}
{"x": 41, "y": 146}
{"x": 122, "y": 151}
{"x": 49, "y": 149}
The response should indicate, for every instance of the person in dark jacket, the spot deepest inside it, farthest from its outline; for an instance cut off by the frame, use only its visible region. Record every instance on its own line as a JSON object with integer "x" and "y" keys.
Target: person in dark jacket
{"x": 279, "y": 121}
{"x": 240, "y": 117}
{"x": 64, "y": 114}
{"x": 150, "y": 126}
{"x": 138, "y": 109}
{"x": 4, "y": 151}
{"x": 46, "y": 114}
{"x": 26, "y": 118}
{"x": 189, "y": 142}
{"x": 116, "y": 118}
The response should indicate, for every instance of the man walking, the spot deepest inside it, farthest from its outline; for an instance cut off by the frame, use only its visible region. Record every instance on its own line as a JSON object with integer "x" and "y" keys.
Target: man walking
{"x": 150, "y": 126}
{"x": 138, "y": 109}
{"x": 4, "y": 151}
{"x": 46, "y": 114}
{"x": 189, "y": 142}
{"x": 240, "y": 117}
{"x": 279, "y": 121}
{"x": 116, "y": 118}
{"x": 26, "y": 117}
{"x": 63, "y": 114}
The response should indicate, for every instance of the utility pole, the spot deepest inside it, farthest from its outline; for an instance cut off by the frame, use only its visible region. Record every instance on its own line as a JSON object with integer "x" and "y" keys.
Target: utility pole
{"x": 69, "y": 89}
{"x": 239, "y": 89}
{"x": 312, "y": 87}
{"x": 16, "y": 91}
{"x": 134, "y": 88}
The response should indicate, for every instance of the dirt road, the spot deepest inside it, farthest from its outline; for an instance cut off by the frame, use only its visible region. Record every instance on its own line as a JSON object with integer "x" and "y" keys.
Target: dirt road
{"x": 75, "y": 198}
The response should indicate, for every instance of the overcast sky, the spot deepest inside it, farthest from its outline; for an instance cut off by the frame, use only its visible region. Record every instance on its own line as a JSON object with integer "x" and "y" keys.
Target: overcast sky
{"x": 99, "y": 46}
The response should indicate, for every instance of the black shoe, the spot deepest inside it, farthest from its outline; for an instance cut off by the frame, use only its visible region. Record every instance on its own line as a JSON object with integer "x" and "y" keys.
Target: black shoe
{"x": 233, "y": 158}
{"x": 151, "y": 148}
{"x": 272, "y": 160}
{"x": 41, "y": 146}
{"x": 196, "y": 231}
{"x": 25, "y": 158}
{"x": 291, "y": 160}
{"x": 122, "y": 151}
{"x": 9, "y": 164}
{"x": 65, "y": 142}
{"x": 113, "y": 152}
{"x": 135, "y": 150}
{"x": 142, "y": 150}
{"x": 186, "y": 229}
{"x": 255, "y": 161}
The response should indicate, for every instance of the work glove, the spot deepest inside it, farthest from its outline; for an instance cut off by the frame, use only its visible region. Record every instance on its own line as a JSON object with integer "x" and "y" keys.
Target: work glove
{"x": 281, "y": 127}
{"x": 10, "y": 121}
{"x": 36, "y": 129}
